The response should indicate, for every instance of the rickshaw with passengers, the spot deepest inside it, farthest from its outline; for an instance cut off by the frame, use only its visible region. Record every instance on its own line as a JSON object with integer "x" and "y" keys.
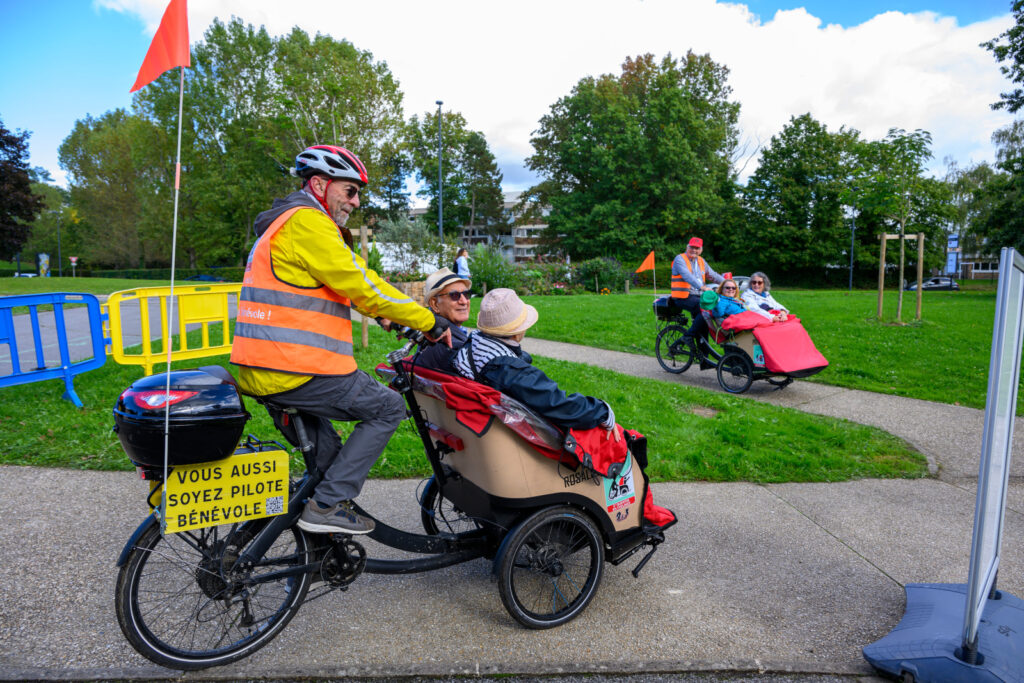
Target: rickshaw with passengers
{"x": 741, "y": 348}
{"x": 219, "y": 566}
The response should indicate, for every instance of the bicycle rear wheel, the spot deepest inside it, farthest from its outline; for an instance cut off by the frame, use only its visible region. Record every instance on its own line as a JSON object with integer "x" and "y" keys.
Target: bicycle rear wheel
{"x": 183, "y": 604}
{"x": 439, "y": 515}
{"x": 551, "y": 567}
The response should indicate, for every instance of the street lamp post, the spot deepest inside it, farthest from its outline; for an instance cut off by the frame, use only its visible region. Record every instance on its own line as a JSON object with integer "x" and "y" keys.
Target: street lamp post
{"x": 440, "y": 182}
{"x": 60, "y": 264}
{"x": 853, "y": 232}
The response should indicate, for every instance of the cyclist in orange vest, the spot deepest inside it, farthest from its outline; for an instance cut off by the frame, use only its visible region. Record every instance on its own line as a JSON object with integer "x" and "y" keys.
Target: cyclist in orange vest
{"x": 293, "y": 333}
{"x": 690, "y": 275}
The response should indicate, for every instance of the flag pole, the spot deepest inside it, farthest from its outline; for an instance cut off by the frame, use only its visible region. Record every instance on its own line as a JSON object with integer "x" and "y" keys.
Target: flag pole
{"x": 168, "y": 335}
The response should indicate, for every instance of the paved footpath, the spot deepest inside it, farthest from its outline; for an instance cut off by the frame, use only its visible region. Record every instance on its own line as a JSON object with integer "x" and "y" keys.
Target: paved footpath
{"x": 756, "y": 579}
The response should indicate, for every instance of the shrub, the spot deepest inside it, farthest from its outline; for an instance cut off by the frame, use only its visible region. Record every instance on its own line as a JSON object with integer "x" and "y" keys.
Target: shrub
{"x": 490, "y": 270}
{"x": 607, "y": 271}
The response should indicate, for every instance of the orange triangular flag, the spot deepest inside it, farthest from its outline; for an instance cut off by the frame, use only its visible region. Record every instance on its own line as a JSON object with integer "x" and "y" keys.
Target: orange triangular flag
{"x": 169, "y": 47}
{"x": 648, "y": 263}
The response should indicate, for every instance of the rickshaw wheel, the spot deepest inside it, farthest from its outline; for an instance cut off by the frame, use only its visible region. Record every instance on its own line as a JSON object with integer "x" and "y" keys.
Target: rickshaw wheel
{"x": 551, "y": 567}
{"x": 439, "y": 515}
{"x": 735, "y": 372}
{"x": 674, "y": 354}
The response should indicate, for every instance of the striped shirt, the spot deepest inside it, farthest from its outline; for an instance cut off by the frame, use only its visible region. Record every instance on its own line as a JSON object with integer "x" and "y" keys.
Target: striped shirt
{"x": 484, "y": 350}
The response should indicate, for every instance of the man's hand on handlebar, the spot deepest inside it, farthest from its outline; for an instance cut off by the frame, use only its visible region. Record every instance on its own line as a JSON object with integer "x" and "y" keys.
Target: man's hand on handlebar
{"x": 441, "y": 332}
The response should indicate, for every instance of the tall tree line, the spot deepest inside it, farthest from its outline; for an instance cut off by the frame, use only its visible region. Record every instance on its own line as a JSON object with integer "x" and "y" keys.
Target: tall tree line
{"x": 252, "y": 101}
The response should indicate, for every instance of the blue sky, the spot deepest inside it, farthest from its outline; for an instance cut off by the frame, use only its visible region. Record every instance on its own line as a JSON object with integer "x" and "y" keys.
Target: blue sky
{"x": 65, "y": 59}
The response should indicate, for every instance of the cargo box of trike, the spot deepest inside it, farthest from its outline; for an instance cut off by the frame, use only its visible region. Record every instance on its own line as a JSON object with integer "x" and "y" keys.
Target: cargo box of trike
{"x": 206, "y": 418}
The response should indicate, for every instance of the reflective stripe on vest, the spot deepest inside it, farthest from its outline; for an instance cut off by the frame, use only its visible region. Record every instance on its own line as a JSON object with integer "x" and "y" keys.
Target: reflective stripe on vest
{"x": 680, "y": 287}
{"x": 283, "y": 327}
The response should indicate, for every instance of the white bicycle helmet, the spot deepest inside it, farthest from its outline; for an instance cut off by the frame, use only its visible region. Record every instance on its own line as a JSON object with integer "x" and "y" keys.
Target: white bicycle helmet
{"x": 334, "y": 162}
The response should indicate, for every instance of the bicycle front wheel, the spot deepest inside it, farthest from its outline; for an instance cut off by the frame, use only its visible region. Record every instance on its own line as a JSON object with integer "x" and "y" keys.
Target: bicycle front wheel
{"x": 182, "y": 602}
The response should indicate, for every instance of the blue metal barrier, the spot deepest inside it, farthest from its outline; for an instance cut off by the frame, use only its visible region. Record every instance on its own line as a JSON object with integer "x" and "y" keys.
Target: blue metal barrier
{"x": 67, "y": 369}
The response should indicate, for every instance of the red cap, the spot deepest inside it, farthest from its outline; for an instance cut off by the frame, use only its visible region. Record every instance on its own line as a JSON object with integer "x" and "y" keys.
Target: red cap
{"x": 726, "y": 276}
{"x": 695, "y": 242}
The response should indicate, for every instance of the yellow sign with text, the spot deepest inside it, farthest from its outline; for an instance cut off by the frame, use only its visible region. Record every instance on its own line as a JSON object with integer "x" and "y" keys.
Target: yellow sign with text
{"x": 238, "y": 488}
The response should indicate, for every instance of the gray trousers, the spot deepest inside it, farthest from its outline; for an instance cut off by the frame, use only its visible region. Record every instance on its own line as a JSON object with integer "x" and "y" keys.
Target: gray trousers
{"x": 353, "y": 397}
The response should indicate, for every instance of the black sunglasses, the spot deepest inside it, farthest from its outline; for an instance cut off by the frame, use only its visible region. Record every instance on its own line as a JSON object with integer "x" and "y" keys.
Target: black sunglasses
{"x": 351, "y": 192}
{"x": 757, "y": 282}
{"x": 455, "y": 296}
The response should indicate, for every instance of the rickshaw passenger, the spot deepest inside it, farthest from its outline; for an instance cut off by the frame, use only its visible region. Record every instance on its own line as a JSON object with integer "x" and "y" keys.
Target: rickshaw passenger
{"x": 447, "y": 295}
{"x": 728, "y": 303}
{"x": 493, "y": 356}
{"x": 758, "y": 298}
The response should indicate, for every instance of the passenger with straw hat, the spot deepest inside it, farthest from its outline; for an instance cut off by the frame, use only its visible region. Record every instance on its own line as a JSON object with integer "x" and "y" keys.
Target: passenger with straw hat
{"x": 493, "y": 356}
{"x": 447, "y": 295}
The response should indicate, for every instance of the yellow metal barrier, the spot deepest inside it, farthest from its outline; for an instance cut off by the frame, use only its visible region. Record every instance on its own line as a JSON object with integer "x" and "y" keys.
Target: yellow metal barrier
{"x": 198, "y": 306}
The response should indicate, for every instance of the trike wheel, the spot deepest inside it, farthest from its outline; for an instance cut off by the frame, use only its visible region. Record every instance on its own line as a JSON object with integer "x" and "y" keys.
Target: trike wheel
{"x": 439, "y": 515}
{"x": 780, "y": 382}
{"x": 182, "y": 603}
{"x": 673, "y": 353}
{"x": 551, "y": 567}
{"x": 735, "y": 372}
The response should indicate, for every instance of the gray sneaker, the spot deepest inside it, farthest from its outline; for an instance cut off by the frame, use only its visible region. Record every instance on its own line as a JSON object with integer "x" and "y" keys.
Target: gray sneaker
{"x": 340, "y": 519}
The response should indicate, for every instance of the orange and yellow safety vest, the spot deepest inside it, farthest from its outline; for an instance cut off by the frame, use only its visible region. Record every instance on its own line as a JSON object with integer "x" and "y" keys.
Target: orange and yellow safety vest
{"x": 283, "y": 327}
{"x": 680, "y": 287}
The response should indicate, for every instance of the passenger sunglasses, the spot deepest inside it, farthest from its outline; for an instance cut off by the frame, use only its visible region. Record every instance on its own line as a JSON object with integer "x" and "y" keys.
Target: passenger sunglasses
{"x": 757, "y": 282}
{"x": 455, "y": 296}
{"x": 728, "y": 289}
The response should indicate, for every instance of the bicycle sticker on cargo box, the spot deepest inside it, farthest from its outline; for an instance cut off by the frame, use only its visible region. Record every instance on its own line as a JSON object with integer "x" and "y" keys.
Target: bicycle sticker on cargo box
{"x": 619, "y": 492}
{"x": 239, "y": 488}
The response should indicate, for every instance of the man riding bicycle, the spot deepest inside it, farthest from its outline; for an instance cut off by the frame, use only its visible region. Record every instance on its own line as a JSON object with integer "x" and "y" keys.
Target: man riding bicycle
{"x": 293, "y": 334}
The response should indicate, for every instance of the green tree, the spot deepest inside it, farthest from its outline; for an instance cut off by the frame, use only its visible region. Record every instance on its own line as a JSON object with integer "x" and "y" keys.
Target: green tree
{"x": 232, "y": 144}
{"x": 483, "y": 186}
{"x": 1008, "y": 49}
{"x": 112, "y": 163}
{"x": 999, "y": 201}
{"x": 640, "y": 160}
{"x": 796, "y": 200}
{"x": 892, "y": 184}
{"x": 334, "y": 93}
{"x": 421, "y": 141}
{"x": 252, "y": 103}
{"x": 969, "y": 202}
{"x": 19, "y": 205}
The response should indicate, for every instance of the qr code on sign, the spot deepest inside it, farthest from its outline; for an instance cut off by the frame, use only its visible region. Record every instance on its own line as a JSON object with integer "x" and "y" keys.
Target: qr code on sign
{"x": 275, "y": 505}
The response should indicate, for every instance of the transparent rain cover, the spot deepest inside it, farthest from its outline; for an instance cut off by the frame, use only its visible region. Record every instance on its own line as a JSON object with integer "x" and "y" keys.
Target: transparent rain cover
{"x": 511, "y": 412}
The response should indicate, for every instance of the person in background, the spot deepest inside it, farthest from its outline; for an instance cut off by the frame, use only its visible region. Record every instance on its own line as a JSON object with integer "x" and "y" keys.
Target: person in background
{"x": 690, "y": 275}
{"x": 758, "y": 298}
{"x": 447, "y": 295}
{"x": 493, "y": 356}
{"x": 462, "y": 263}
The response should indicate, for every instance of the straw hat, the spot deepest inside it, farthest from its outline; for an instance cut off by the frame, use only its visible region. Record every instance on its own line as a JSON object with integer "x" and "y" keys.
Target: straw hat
{"x": 503, "y": 313}
{"x": 440, "y": 279}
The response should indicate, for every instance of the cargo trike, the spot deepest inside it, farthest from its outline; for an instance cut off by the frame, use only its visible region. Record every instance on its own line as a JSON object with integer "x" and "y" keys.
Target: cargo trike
{"x": 219, "y": 566}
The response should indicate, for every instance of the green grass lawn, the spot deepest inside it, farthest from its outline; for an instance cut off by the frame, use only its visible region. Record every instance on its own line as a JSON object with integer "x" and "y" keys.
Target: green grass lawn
{"x": 943, "y": 358}
{"x": 694, "y": 435}
{"x": 85, "y": 285}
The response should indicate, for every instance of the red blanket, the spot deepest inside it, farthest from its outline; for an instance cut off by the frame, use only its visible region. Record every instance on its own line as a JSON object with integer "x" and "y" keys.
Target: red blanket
{"x": 788, "y": 348}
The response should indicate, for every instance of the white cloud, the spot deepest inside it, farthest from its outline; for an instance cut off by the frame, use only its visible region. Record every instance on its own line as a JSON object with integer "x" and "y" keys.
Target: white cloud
{"x": 503, "y": 65}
